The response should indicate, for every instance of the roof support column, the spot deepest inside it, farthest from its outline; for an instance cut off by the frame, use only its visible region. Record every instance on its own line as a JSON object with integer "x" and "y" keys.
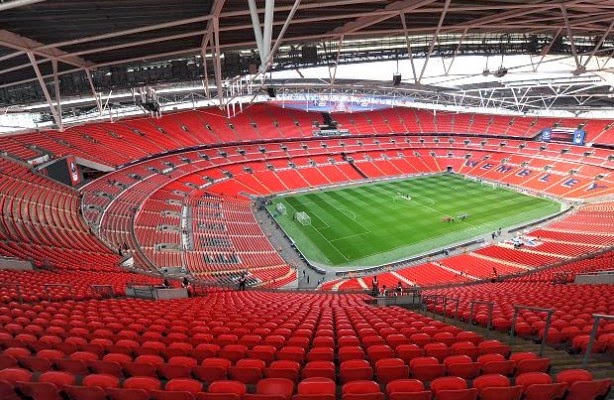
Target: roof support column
{"x": 435, "y": 35}
{"x": 409, "y": 51}
{"x": 88, "y": 74}
{"x": 217, "y": 63}
{"x": 56, "y": 117}
{"x": 598, "y": 45}
{"x": 339, "y": 46}
{"x": 267, "y": 36}
{"x": 203, "y": 53}
{"x": 253, "y": 12}
{"x": 571, "y": 40}
{"x": 460, "y": 42}
{"x": 58, "y": 98}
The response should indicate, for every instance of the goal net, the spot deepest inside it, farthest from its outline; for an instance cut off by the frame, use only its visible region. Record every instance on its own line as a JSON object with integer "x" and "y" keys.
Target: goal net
{"x": 281, "y": 208}
{"x": 302, "y": 218}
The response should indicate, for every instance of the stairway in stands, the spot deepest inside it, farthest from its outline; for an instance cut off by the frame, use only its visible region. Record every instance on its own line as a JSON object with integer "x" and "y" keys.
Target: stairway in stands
{"x": 600, "y": 365}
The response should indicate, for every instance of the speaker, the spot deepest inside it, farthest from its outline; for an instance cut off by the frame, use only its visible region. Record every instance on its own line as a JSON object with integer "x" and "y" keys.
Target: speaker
{"x": 309, "y": 55}
{"x": 396, "y": 79}
{"x": 271, "y": 92}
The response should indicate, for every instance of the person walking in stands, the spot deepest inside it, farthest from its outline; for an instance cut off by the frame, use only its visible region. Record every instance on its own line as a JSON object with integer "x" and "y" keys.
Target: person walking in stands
{"x": 399, "y": 289}
{"x": 375, "y": 286}
{"x": 186, "y": 285}
{"x": 242, "y": 282}
{"x": 166, "y": 284}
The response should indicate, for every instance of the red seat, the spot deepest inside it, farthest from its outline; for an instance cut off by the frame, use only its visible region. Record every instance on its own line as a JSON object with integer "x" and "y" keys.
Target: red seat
{"x": 58, "y": 378}
{"x": 248, "y": 371}
{"x": 319, "y": 369}
{"x": 224, "y": 390}
{"x": 570, "y": 376}
{"x": 316, "y": 389}
{"x": 378, "y": 352}
{"x": 85, "y": 393}
{"x": 355, "y": 370}
{"x": 407, "y": 352}
{"x": 212, "y": 369}
{"x": 272, "y": 389}
{"x": 13, "y": 375}
{"x": 361, "y": 390}
{"x": 539, "y": 386}
{"x": 407, "y": 389}
{"x": 101, "y": 380}
{"x": 588, "y": 390}
{"x": 493, "y": 346}
{"x": 127, "y": 394}
{"x": 142, "y": 382}
{"x": 184, "y": 385}
{"x": 390, "y": 369}
{"x": 321, "y": 354}
{"x": 426, "y": 368}
{"x": 351, "y": 353}
{"x": 283, "y": 369}
{"x": 38, "y": 391}
{"x": 462, "y": 366}
{"x": 532, "y": 365}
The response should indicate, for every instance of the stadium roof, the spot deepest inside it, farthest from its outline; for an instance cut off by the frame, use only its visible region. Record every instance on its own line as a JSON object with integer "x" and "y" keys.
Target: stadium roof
{"x": 104, "y": 45}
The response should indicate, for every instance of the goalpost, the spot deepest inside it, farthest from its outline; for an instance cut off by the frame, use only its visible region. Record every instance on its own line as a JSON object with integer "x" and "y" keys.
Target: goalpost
{"x": 302, "y": 218}
{"x": 482, "y": 182}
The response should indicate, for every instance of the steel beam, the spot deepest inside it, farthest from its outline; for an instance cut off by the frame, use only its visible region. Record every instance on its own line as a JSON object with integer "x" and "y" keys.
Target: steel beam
{"x": 435, "y": 35}
{"x": 408, "y": 43}
{"x": 88, "y": 74}
{"x": 253, "y": 12}
{"x": 58, "y": 97}
{"x": 217, "y": 63}
{"x": 599, "y": 43}
{"x": 21, "y": 43}
{"x": 56, "y": 117}
{"x": 7, "y": 5}
{"x": 570, "y": 37}
{"x": 267, "y": 35}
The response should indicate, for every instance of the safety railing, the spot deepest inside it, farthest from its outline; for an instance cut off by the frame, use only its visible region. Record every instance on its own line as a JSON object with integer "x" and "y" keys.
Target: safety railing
{"x": 105, "y": 291}
{"x": 589, "y": 348}
{"x": 472, "y": 311}
{"x": 549, "y": 312}
{"x": 434, "y": 299}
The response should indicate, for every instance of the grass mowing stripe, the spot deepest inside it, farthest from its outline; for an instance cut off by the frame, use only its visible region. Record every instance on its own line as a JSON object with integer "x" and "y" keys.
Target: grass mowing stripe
{"x": 371, "y": 224}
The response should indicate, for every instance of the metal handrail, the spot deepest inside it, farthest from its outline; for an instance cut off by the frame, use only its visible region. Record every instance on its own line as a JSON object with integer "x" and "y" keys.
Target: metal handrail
{"x": 550, "y": 311}
{"x": 490, "y": 306}
{"x": 593, "y": 336}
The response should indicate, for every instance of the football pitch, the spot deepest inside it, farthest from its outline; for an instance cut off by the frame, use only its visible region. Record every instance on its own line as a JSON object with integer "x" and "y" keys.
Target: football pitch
{"x": 382, "y": 222}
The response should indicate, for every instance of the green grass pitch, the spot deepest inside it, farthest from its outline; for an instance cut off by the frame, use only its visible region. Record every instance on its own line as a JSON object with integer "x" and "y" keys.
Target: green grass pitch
{"x": 371, "y": 224}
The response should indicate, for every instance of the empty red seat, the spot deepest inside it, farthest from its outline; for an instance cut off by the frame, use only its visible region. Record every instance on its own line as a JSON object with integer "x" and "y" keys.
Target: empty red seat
{"x": 13, "y": 375}
{"x": 539, "y": 386}
{"x": 101, "y": 380}
{"x": 462, "y": 366}
{"x": 283, "y": 369}
{"x": 319, "y": 369}
{"x": 316, "y": 389}
{"x": 389, "y": 369}
{"x": 361, "y": 390}
{"x": 272, "y": 389}
{"x": 355, "y": 370}
{"x": 407, "y": 389}
{"x": 321, "y": 354}
{"x": 589, "y": 390}
{"x": 426, "y": 368}
{"x": 184, "y": 385}
{"x": 224, "y": 390}
{"x": 142, "y": 382}
{"x": 247, "y": 371}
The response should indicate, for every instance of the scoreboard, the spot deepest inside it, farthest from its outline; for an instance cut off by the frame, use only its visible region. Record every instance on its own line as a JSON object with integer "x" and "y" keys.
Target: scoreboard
{"x": 567, "y": 135}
